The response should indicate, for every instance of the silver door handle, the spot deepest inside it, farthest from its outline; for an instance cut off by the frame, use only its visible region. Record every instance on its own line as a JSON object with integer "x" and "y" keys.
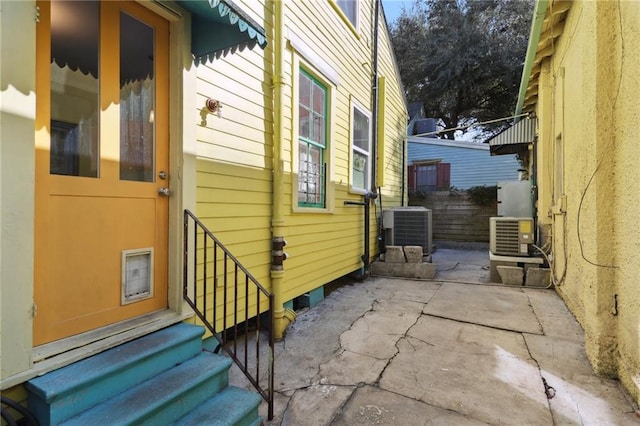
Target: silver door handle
{"x": 164, "y": 191}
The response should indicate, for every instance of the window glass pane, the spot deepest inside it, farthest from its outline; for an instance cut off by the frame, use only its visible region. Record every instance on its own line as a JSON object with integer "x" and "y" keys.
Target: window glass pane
{"x": 319, "y": 105}
{"x": 318, "y": 99}
{"x": 304, "y": 122}
{"x": 314, "y": 175}
{"x": 318, "y": 129}
{"x": 310, "y": 176}
{"x": 350, "y": 8}
{"x": 303, "y": 175}
{"x": 305, "y": 90}
{"x": 360, "y": 170}
{"x": 137, "y": 100}
{"x": 74, "y": 147}
{"x": 360, "y": 130}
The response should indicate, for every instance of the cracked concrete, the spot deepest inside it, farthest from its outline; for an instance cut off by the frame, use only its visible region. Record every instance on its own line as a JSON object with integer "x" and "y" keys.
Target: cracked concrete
{"x": 417, "y": 352}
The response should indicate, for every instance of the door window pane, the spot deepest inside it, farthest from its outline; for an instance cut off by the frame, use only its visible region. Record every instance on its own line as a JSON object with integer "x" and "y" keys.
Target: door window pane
{"x": 137, "y": 100}
{"x": 74, "y": 149}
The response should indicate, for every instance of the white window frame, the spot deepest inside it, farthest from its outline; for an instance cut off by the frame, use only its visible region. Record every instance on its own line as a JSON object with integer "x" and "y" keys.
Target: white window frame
{"x": 356, "y": 150}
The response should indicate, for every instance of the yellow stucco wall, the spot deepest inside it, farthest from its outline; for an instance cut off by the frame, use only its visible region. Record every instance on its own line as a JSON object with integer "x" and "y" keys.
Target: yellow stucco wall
{"x": 235, "y": 151}
{"x": 626, "y": 116}
{"x": 587, "y": 149}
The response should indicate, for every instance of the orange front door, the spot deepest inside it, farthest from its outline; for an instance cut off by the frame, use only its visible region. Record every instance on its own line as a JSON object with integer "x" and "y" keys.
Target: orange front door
{"x": 101, "y": 159}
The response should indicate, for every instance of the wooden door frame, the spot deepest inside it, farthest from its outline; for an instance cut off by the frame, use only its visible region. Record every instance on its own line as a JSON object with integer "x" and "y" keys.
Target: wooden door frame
{"x": 176, "y": 309}
{"x": 20, "y": 360}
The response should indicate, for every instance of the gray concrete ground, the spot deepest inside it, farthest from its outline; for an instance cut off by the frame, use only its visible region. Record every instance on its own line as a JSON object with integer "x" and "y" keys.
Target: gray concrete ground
{"x": 468, "y": 262}
{"x": 442, "y": 352}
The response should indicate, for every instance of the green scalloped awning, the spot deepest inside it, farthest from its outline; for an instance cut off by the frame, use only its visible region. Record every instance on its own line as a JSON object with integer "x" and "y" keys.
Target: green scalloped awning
{"x": 219, "y": 27}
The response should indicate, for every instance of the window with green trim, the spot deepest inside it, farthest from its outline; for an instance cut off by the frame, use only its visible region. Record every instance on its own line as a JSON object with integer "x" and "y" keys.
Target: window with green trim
{"x": 312, "y": 141}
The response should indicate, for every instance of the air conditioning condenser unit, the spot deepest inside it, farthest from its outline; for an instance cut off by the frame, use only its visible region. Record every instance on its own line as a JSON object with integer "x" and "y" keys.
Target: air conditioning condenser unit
{"x": 408, "y": 226}
{"x": 510, "y": 236}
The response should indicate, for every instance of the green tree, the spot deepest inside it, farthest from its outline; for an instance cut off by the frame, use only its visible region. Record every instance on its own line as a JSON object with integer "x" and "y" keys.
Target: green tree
{"x": 463, "y": 58}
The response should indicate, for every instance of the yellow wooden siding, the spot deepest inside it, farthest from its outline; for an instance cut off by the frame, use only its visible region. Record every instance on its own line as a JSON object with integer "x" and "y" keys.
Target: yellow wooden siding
{"x": 234, "y": 167}
{"x": 395, "y": 123}
{"x": 214, "y": 302}
{"x": 324, "y": 247}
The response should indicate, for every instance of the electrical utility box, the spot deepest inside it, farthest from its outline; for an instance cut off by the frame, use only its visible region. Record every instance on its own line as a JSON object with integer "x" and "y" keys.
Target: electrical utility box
{"x": 514, "y": 199}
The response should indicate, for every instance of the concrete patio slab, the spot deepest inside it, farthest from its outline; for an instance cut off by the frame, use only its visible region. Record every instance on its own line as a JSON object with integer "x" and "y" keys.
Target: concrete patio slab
{"x": 468, "y": 266}
{"x": 554, "y": 316}
{"x": 376, "y": 333}
{"x": 316, "y": 405}
{"x": 373, "y": 406}
{"x": 577, "y": 396}
{"x": 405, "y": 352}
{"x": 501, "y": 307}
{"x": 469, "y": 369}
{"x": 349, "y": 368}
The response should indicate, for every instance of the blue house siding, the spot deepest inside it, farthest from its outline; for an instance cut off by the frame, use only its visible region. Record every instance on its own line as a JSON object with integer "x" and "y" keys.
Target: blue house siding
{"x": 471, "y": 163}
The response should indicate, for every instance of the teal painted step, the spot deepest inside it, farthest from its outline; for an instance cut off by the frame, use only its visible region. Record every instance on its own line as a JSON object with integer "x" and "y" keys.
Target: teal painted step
{"x": 63, "y": 393}
{"x": 163, "y": 399}
{"x": 233, "y": 406}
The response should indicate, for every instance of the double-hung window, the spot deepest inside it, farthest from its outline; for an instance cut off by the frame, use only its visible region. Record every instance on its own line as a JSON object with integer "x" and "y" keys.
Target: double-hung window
{"x": 312, "y": 141}
{"x": 360, "y": 150}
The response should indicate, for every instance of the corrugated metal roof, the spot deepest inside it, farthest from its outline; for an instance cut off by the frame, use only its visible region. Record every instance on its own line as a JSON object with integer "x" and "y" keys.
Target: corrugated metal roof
{"x": 512, "y": 139}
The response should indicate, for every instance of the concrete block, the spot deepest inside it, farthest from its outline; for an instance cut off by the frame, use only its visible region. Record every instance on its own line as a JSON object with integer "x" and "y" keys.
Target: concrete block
{"x": 511, "y": 275}
{"x": 382, "y": 269}
{"x": 537, "y": 277}
{"x": 394, "y": 254}
{"x": 404, "y": 270}
{"x": 494, "y": 277}
{"x": 420, "y": 270}
{"x": 413, "y": 254}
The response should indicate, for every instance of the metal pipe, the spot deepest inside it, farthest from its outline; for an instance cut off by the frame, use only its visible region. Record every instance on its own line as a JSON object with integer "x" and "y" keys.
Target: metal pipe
{"x": 368, "y": 196}
{"x": 367, "y": 213}
{"x": 278, "y": 184}
{"x": 374, "y": 95}
{"x": 374, "y": 139}
{"x": 404, "y": 169}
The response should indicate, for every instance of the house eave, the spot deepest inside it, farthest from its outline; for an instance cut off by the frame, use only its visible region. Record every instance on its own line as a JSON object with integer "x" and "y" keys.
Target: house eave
{"x": 547, "y": 26}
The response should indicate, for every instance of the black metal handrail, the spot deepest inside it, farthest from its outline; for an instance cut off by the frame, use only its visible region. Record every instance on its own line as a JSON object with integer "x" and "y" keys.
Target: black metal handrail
{"x": 218, "y": 285}
{"x": 8, "y": 404}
